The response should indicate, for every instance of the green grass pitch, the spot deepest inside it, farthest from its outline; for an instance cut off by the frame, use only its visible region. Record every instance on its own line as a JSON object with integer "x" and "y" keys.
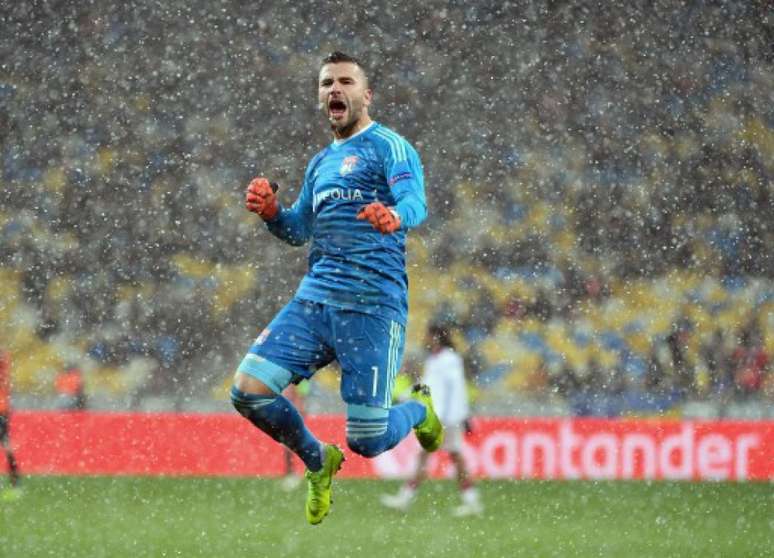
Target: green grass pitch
{"x": 232, "y": 518}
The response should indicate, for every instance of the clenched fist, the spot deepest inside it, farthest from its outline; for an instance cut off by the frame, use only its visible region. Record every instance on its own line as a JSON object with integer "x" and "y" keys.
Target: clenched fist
{"x": 383, "y": 219}
{"x": 260, "y": 198}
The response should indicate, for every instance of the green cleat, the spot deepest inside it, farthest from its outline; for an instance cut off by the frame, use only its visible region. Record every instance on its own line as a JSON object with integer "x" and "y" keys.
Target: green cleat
{"x": 318, "y": 496}
{"x": 430, "y": 432}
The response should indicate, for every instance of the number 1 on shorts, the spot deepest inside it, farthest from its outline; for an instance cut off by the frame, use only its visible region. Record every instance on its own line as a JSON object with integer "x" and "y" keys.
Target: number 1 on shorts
{"x": 376, "y": 378}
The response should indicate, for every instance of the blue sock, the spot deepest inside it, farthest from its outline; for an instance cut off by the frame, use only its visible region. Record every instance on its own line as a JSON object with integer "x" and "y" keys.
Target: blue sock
{"x": 405, "y": 416}
{"x": 277, "y": 417}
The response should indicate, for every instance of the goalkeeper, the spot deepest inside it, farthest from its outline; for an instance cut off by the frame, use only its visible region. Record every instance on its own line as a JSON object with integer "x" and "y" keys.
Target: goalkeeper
{"x": 360, "y": 196}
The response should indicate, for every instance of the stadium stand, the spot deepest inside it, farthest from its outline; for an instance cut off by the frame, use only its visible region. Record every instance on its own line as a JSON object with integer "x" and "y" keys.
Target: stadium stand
{"x": 600, "y": 188}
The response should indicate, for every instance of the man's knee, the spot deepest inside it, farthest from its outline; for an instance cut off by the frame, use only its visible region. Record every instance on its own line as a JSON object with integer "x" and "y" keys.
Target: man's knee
{"x": 249, "y": 405}
{"x": 368, "y": 430}
{"x": 368, "y": 447}
{"x": 252, "y": 385}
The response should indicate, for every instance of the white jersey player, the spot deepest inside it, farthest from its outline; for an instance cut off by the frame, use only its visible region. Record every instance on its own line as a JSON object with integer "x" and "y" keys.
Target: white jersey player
{"x": 444, "y": 374}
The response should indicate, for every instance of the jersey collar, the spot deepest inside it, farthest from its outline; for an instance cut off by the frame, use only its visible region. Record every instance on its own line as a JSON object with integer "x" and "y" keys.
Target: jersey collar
{"x": 338, "y": 142}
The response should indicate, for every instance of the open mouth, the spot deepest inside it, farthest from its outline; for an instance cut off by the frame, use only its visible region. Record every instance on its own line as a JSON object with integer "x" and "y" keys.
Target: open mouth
{"x": 337, "y": 108}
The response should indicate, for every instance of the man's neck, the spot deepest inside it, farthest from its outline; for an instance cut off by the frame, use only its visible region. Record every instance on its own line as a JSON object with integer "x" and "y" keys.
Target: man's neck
{"x": 348, "y": 131}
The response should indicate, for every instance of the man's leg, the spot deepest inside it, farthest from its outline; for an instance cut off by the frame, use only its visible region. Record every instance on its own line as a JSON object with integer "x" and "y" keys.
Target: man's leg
{"x": 276, "y": 416}
{"x": 369, "y": 349}
{"x": 291, "y": 347}
{"x": 13, "y": 491}
{"x": 374, "y": 430}
{"x": 407, "y": 492}
{"x": 288, "y": 348}
{"x": 5, "y": 444}
{"x": 463, "y": 479}
{"x": 471, "y": 500}
{"x": 13, "y": 468}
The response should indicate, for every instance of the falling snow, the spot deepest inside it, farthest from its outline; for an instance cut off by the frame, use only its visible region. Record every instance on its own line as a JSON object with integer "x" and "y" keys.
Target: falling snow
{"x": 599, "y": 184}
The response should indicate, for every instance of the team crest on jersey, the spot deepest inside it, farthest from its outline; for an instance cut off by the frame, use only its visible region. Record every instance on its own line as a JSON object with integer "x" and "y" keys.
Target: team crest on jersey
{"x": 348, "y": 164}
{"x": 262, "y": 337}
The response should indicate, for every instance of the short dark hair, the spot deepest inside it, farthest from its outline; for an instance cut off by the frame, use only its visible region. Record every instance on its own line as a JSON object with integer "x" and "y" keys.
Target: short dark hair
{"x": 337, "y": 57}
{"x": 442, "y": 333}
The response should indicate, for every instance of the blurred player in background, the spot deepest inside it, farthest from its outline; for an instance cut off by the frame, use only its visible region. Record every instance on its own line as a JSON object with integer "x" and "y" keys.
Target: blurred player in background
{"x": 359, "y": 197}
{"x": 13, "y": 491}
{"x": 444, "y": 373}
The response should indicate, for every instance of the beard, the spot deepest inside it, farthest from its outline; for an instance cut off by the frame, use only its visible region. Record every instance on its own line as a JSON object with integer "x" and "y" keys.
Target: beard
{"x": 344, "y": 129}
{"x": 344, "y": 126}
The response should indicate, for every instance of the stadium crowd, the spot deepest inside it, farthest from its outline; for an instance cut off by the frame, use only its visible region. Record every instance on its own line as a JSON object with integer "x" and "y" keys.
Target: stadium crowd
{"x": 599, "y": 184}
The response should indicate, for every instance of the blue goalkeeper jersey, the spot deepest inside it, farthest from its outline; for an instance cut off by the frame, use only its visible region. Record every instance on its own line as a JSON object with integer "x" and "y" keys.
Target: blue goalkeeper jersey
{"x": 351, "y": 264}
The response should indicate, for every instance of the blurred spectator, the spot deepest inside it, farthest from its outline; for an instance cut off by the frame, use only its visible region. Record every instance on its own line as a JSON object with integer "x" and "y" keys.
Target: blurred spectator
{"x": 681, "y": 369}
{"x": 749, "y": 363}
{"x": 70, "y": 389}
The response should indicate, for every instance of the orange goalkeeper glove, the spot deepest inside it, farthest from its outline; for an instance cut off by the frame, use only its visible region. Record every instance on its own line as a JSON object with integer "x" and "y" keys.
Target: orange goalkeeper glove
{"x": 383, "y": 219}
{"x": 261, "y": 198}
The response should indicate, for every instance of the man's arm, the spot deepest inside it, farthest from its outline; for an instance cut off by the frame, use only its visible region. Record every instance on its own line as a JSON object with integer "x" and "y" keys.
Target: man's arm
{"x": 405, "y": 176}
{"x": 408, "y": 188}
{"x": 292, "y": 225}
{"x": 410, "y": 206}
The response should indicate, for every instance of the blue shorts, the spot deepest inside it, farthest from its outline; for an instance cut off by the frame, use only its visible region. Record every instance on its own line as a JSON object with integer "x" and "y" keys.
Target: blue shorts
{"x": 306, "y": 336}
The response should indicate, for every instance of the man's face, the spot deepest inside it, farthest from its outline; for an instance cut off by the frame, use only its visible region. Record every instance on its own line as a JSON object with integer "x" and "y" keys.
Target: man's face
{"x": 343, "y": 94}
